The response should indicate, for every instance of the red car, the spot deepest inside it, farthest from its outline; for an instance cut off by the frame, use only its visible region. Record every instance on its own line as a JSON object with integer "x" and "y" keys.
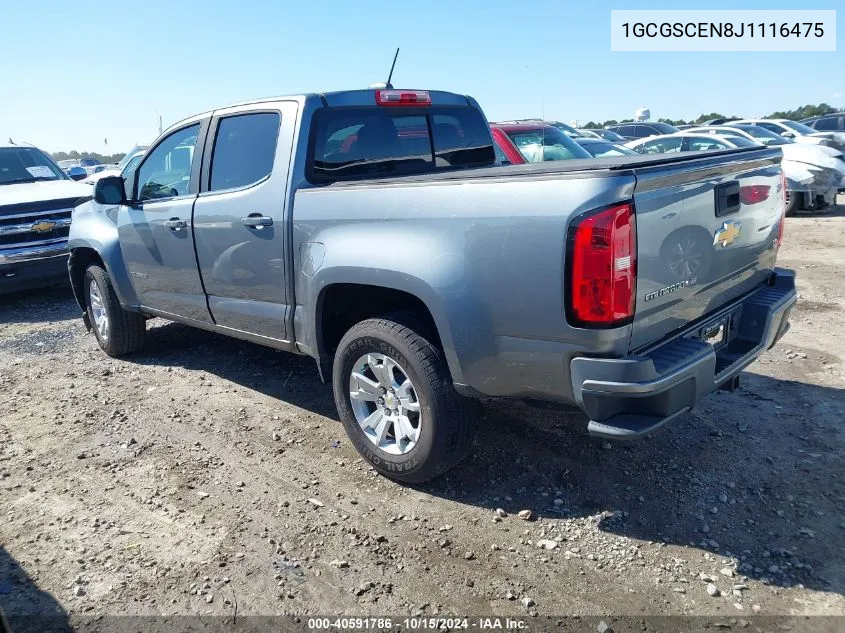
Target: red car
{"x": 519, "y": 143}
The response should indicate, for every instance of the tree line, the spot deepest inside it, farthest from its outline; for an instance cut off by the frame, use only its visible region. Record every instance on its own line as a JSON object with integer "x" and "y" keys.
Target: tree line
{"x": 804, "y": 112}
{"x": 105, "y": 159}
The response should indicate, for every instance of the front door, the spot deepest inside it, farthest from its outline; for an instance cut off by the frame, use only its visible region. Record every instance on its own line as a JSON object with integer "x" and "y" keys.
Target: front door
{"x": 156, "y": 231}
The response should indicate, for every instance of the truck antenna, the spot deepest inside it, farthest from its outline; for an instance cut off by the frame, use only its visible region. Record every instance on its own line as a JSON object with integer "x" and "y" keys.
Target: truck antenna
{"x": 388, "y": 85}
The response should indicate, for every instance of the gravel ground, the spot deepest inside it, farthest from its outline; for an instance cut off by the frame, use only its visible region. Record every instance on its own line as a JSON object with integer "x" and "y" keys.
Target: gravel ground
{"x": 207, "y": 475}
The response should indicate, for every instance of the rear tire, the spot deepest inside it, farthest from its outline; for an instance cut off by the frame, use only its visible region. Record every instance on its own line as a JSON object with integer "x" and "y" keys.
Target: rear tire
{"x": 432, "y": 429}
{"x": 118, "y": 331}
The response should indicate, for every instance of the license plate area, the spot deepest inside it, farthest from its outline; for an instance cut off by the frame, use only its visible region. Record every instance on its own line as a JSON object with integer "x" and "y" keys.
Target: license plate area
{"x": 718, "y": 332}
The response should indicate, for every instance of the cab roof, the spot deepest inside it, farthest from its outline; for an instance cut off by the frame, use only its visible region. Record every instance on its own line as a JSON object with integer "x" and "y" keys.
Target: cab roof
{"x": 522, "y": 127}
{"x": 340, "y": 98}
{"x": 4, "y": 144}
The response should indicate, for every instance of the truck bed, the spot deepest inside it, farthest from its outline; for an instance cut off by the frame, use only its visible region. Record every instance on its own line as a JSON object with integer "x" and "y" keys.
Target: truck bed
{"x": 675, "y": 204}
{"x": 570, "y": 168}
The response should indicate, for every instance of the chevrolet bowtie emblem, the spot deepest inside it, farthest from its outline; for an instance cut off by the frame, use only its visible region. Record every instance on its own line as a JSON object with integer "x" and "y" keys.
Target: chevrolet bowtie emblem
{"x": 43, "y": 227}
{"x": 727, "y": 233}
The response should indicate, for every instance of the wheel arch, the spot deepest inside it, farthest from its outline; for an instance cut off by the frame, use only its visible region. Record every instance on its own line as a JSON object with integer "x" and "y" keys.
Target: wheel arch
{"x": 85, "y": 253}
{"x": 358, "y": 299}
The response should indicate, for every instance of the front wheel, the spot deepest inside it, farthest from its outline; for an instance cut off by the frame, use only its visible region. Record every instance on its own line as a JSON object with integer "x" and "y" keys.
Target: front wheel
{"x": 118, "y": 331}
{"x": 395, "y": 397}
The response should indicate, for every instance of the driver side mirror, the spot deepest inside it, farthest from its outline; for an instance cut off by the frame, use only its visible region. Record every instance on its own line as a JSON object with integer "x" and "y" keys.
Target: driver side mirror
{"x": 110, "y": 190}
{"x": 788, "y": 135}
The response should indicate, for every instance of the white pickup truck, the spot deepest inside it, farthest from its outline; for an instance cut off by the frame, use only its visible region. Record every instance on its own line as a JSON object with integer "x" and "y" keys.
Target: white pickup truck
{"x": 36, "y": 200}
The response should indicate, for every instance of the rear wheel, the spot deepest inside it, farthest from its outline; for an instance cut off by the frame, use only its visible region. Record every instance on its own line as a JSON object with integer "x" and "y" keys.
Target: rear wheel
{"x": 395, "y": 397}
{"x": 118, "y": 331}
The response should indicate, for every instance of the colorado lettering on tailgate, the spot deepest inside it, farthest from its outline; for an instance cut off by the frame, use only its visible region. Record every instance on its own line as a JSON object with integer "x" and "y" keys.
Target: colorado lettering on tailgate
{"x": 670, "y": 289}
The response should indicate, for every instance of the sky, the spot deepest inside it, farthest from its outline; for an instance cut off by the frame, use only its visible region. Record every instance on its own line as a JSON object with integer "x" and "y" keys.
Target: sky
{"x": 78, "y": 74}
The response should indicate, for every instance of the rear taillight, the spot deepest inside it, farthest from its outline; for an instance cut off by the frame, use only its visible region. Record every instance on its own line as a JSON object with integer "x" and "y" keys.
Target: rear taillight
{"x": 603, "y": 267}
{"x": 403, "y": 97}
{"x": 752, "y": 194}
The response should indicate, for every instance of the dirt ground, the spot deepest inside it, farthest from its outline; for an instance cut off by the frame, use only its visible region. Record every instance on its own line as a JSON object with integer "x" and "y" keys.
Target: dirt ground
{"x": 207, "y": 475}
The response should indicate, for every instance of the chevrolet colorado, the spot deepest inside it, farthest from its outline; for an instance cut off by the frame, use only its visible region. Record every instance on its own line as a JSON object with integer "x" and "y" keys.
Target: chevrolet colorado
{"x": 373, "y": 231}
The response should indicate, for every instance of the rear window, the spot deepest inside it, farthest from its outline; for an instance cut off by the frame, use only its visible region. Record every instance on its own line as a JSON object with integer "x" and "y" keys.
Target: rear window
{"x": 740, "y": 141}
{"x": 663, "y": 128}
{"x": 827, "y": 123}
{"x": 626, "y": 130}
{"x": 356, "y": 143}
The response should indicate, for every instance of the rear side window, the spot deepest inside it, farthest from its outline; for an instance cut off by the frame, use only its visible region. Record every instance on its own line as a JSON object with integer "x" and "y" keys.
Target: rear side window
{"x": 700, "y": 144}
{"x": 777, "y": 129}
{"x": 244, "y": 148}
{"x": 661, "y": 146}
{"x": 355, "y": 143}
{"x": 461, "y": 139}
{"x": 829, "y": 123}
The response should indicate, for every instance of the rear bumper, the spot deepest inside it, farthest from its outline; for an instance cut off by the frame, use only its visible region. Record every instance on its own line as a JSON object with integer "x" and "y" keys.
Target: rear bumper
{"x": 630, "y": 397}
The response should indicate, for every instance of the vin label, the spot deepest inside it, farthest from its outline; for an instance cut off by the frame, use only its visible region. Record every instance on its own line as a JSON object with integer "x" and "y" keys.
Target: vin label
{"x": 719, "y": 31}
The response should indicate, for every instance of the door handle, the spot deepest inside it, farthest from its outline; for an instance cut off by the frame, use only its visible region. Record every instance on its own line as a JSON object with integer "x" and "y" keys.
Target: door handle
{"x": 257, "y": 221}
{"x": 175, "y": 224}
{"x": 727, "y": 198}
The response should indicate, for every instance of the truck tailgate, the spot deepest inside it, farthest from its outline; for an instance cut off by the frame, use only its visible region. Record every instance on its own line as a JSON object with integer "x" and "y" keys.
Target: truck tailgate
{"x": 706, "y": 234}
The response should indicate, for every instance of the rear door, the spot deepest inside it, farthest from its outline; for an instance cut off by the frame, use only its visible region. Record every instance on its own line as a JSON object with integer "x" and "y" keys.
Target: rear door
{"x": 706, "y": 234}
{"x": 155, "y": 230}
{"x": 239, "y": 217}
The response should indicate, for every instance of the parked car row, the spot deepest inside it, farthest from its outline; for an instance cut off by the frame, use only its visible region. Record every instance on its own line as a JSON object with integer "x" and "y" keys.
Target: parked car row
{"x": 834, "y": 122}
{"x": 80, "y": 168}
{"x": 129, "y": 161}
{"x": 812, "y": 164}
{"x": 813, "y": 173}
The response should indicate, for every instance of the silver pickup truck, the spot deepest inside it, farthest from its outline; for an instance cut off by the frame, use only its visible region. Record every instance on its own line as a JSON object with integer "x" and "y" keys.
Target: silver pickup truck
{"x": 373, "y": 231}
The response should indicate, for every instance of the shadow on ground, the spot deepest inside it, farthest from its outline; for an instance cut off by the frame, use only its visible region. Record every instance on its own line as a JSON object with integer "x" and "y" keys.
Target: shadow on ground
{"x": 45, "y": 305}
{"x": 277, "y": 374}
{"x": 763, "y": 457}
{"x": 756, "y": 474}
{"x": 835, "y": 211}
{"x": 28, "y": 609}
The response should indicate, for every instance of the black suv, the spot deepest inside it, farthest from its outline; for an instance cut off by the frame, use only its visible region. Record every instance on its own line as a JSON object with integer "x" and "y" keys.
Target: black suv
{"x": 833, "y": 122}
{"x": 633, "y": 131}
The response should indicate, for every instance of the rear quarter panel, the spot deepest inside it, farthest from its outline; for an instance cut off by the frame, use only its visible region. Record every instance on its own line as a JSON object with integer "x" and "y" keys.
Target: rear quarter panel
{"x": 485, "y": 256}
